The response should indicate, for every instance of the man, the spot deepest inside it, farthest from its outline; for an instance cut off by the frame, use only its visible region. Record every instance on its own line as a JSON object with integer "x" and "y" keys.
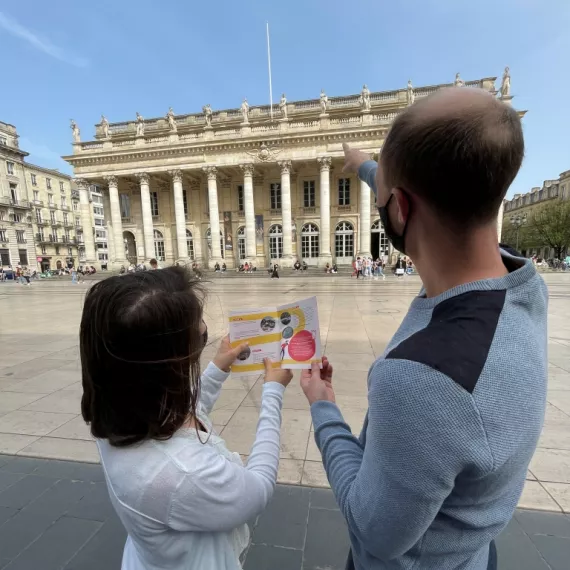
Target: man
{"x": 456, "y": 402}
{"x": 154, "y": 264}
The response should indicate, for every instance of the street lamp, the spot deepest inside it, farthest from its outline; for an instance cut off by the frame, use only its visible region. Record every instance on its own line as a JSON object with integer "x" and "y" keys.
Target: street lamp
{"x": 518, "y": 221}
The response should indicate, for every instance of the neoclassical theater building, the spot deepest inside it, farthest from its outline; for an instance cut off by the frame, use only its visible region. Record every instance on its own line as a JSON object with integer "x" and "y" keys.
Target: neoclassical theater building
{"x": 248, "y": 184}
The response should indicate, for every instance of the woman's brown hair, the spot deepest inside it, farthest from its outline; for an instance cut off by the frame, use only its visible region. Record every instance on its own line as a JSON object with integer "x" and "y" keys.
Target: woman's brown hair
{"x": 140, "y": 345}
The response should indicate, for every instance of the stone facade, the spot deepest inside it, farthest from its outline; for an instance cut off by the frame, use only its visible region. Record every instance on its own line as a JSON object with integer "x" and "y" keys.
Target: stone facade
{"x": 268, "y": 182}
{"x": 39, "y": 223}
{"x": 524, "y": 204}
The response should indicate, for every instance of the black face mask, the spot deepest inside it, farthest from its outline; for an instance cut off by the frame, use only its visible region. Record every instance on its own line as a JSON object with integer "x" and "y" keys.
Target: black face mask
{"x": 399, "y": 242}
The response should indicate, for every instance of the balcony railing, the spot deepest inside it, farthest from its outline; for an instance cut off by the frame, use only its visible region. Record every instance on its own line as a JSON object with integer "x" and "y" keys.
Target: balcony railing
{"x": 39, "y": 203}
{"x": 41, "y": 238}
{"x": 56, "y": 223}
{"x": 65, "y": 208}
{"x": 344, "y": 208}
{"x": 22, "y": 241}
{"x": 23, "y": 204}
{"x": 67, "y": 224}
{"x": 156, "y": 218}
{"x": 78, "y": 228}
{"x": 42, "y": 223}
{"x": 275, "y": 211}
{"x": 126, "y": 220}
{"x": 52, "y": 205}
{"x": 308, "y": 210}
{"x": 4, "y": 240}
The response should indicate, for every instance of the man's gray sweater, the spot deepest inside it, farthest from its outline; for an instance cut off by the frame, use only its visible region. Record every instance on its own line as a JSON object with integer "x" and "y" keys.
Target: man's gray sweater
{"x": 456, "y": 406}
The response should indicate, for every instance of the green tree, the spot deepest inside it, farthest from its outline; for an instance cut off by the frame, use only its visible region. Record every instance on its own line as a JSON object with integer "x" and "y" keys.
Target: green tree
{"x": 550, "y": 225}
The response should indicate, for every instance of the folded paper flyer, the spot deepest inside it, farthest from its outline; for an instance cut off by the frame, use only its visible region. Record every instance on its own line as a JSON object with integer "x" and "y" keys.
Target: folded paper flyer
{"x": 288, "y": 334}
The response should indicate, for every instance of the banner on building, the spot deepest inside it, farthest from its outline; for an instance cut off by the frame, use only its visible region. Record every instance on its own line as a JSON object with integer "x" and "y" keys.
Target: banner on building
{"x": 259, "y": 233}
{"x": 228, "y": 239}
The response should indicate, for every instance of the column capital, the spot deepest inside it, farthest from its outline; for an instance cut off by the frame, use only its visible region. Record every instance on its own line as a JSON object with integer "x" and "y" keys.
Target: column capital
{"x": 81, "y": 183}
{"x": 211, "y": 171}
{"x": 176, "y": 175}
{"x": 247, "y": 169}
{"x": 324, "y": 162}
{"x": 285, "y": 166}
{"x": 143, "y": 177}
{"x": 111, "y": 181}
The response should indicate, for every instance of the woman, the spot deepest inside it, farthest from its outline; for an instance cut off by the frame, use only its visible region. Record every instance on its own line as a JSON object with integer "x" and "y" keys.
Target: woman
{"x": 183, "y": 498}
{"x": 274, "y": 273}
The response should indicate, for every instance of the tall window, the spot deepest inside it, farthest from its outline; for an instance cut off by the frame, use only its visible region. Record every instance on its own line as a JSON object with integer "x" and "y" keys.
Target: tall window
{"x": 241, "y": 242}
{"x": 310, "y": 241}
{"x": 154, "y": 203}
{"x": 3, "y": 236}
{"x": 23, "y": 256}
{"x": 77, "y": 222}
{"x": 190, "y": 244}
{"x": 14, "y": 193}
{"x": 61, "y": 188}
{"x": 50, "y": 199}
{"x": 185, "y": 202}
{"x": 20, "y": 236}
{"x": 9, "y": 167}
{"x": 309, "y": 193}
{"x": 275, "y": 192}
{"x": 34, "y": 180}
{"x": 344, "y": 191}
{"x": 63, "y": 202}
{"x": 65, "y": 218}
{"x": 158, "y": 245}
{"x": 70, "y": 251}
{"x": 52, "y": 217}
{"x": 39, "y": 219}
{"x": 276, "y": 241}
{"x": 344, "y": 241}
{"x": 48, "y": 183}
{"x": 3, "y": 140}
{"x": 18, "y": 217}
{"x": 36, "y": 195}
{"x": 125, "y": 202}
{"x": 241, "y": 207}
{"x": 54, "y": 234}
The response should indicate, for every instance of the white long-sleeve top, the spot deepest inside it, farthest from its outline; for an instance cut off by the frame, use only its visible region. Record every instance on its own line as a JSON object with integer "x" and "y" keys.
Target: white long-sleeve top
{"x": 185, "y": 502}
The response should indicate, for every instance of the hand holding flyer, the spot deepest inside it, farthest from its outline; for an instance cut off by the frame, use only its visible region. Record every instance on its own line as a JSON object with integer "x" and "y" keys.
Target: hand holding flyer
{"x": 288, "y": 334}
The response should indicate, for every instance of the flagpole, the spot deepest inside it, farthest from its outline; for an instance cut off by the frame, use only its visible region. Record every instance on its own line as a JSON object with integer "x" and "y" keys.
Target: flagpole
{"x": 269, "y": 67}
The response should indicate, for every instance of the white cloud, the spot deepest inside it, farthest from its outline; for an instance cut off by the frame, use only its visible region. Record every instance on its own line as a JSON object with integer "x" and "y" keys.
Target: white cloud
{"x": 16, "y": 29}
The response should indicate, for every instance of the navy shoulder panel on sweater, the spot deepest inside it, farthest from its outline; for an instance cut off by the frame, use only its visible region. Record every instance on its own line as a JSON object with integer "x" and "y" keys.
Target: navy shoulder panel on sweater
{"x": 457, "y": 340}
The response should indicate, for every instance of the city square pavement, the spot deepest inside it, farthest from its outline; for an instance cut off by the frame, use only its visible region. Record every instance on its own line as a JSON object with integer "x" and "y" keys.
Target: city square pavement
{"x": 40, "y": 387}
{"x": 56, "y": 515}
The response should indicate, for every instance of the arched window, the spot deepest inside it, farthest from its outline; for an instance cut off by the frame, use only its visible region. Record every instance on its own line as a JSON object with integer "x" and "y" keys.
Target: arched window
{"x": 241, "y": 242}
{"x": 380, "y": 244}
{"x": 209, "y": 240}
{"x": 190, "y": 244}
{"x": 344, "y": 242}
{"x": 310, "y": 241}
{"x": 158, "y": 246}
{"x": 276, "y": 241}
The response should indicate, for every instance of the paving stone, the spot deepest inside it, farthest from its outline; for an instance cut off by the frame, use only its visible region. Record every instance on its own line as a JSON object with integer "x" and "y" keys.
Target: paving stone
{"x": 8, "y": 479}
{"x": 544, "y": 523}
{"x": 262, "y": 557}
{"x": 95, "y": 505}
{"x": 22, "y": 465}
{"x": 554, "y": 549}
{"x": 517, "y": 552}
{"x": 71, "y": 470}
{"x": 57, "y": 545}
{"x": 103, "y": 550}
{"x": 6, "y": 513}
{"x": 320, "y": 550}
{"x": 24, "y": 491}
{"x": 323, "y": 499}
{"x": 27, "y": 525}
{"x": 283, "y": 522}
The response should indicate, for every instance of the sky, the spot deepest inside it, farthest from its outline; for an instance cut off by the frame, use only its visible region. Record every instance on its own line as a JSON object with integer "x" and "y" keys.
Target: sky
{"x": 65, "y": 59}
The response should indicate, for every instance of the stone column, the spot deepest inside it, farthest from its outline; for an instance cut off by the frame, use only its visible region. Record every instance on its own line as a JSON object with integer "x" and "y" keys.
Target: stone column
{"x": 212, "y": 172}
{"x": 86, "y": 222}
{"x": 179, "y": 216}
{"x": 148, "y": 230}
{"x": 325, "y": 232}
{"x": 117, "y": 223}
{"x": 250, "y": 242}
{"x": 364, "y": 246}
{"x": 286, "y": 212}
